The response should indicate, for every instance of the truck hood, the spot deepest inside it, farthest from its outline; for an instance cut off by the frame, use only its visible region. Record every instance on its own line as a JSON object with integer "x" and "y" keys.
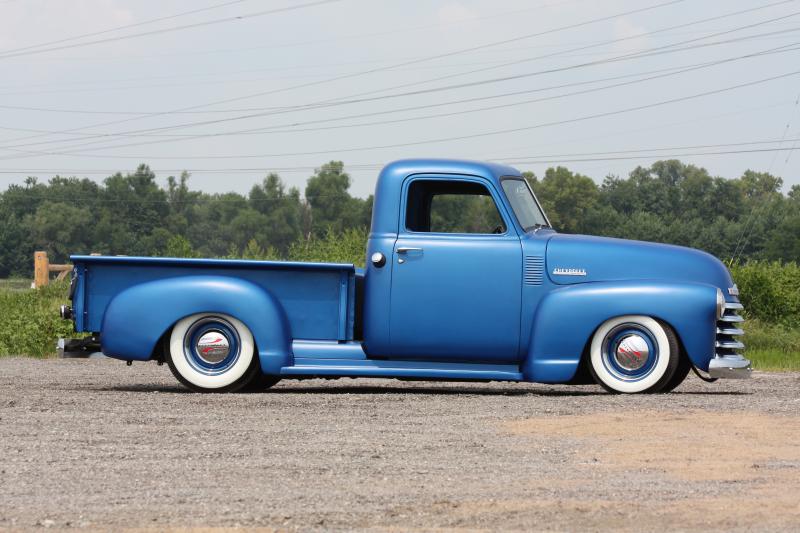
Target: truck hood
{"x": 582, "y": 258}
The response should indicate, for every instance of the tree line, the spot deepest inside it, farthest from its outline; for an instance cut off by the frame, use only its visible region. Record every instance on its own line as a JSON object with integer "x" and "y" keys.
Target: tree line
{"x": 749, "y": 217}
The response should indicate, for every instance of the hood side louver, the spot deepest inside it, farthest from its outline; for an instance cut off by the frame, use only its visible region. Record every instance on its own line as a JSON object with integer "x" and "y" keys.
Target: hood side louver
{"x": 534, "y": 270}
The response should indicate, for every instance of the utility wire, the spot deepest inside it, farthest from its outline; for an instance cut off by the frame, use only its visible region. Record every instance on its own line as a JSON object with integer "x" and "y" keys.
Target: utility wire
{"x": 614, "y": 41}
{"x": 278, "y": 127}
{"x": 516, "y": 158}
{"x": 215, "y": 197}
{"x": 392, "y": 66}
{"x": 488, "y": 133}
{"x": 125, "y": 27}
{"x": 649, "y": 52}
{"x": 167, "y": 30}
{"x": 756, "y": 212}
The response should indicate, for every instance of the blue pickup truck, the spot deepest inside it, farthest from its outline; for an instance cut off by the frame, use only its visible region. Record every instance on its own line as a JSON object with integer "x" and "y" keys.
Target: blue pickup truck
{"x": 465, "y": 280}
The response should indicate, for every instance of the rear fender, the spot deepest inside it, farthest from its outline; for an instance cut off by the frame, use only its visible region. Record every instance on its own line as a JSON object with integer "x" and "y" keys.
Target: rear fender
{"x": 138, "y": 317}
{"x": 567, "y": 318}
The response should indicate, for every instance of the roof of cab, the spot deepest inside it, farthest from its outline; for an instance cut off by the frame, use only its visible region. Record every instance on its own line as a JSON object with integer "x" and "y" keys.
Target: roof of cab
{"x": 405, "y": 167}
{"x": 387, "y": 190}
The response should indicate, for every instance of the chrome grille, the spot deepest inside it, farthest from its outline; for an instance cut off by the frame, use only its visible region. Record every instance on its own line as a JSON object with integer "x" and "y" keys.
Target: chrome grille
{"x": 728, "y": 330}
{"x": 534, "y": 270}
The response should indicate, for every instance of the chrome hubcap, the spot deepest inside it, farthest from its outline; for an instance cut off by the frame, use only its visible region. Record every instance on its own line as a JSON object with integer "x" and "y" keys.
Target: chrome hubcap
{"x": 631, "y": 352}
{"x": 213, "y": 347}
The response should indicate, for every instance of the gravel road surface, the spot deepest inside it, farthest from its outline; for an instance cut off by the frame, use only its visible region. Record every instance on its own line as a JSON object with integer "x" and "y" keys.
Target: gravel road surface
{"x": 94, "y": 444}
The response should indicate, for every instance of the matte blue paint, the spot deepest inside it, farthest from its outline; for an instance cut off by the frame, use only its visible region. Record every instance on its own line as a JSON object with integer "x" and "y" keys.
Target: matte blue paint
{"x": 397, "y": 369}
{"x": 466, "y": 307}
{"x": 328, "y": 350}
{"x": 316, "y": 298}
{"x": 138, "y": 316}
{"x": 568, "y": 316}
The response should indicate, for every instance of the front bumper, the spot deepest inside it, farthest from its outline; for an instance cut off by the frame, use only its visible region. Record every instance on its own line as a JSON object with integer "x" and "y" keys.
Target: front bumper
{"x": 729, "y": 366}
{"x": 727, "y": 361}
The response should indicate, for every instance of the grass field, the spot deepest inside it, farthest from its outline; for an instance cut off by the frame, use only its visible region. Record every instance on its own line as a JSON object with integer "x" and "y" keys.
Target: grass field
{"x": 30, "y": 326}
{"x": 14, "y": 284}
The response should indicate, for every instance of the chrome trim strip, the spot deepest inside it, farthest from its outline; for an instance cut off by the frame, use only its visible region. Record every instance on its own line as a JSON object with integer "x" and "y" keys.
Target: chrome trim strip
{"x": 731, "y": 366}
{"x": 733, "y": 305}
{"x": 729, "y": 345}
{"x": 729, "y": 331}
{"x": 731, "y": 318}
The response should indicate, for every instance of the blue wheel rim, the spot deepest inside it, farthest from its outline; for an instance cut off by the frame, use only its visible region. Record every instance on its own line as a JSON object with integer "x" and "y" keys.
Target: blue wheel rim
{"x": 216, "y": 327}
{"x": 645, "y": 365}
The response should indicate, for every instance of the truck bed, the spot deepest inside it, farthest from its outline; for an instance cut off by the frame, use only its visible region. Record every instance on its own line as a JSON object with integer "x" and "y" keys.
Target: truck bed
{"x": 318, "y": 298}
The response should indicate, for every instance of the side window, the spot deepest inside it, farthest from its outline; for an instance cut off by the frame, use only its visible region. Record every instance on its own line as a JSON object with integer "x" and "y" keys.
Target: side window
{"x": 440, "y": 206}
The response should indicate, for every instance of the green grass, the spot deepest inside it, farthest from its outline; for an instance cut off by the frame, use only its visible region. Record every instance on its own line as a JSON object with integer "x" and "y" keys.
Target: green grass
{"x": 772, "y": 347}
{"x": 29, "y": 320}
{"x": 14, "y": 284}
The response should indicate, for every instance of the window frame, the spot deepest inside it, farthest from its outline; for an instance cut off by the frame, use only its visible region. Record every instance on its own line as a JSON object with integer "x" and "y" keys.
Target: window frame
{"x": 498, "y": 200}
{"x": 533, "y": 194}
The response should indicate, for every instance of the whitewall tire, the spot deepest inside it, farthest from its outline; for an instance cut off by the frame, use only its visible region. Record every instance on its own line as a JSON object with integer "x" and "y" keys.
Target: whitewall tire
{"x": 634, "y": 354}
{"x": 212, "y": 352}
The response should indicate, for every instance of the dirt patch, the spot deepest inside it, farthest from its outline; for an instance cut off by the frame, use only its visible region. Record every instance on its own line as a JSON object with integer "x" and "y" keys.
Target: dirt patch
{"x": 757, "y": 452}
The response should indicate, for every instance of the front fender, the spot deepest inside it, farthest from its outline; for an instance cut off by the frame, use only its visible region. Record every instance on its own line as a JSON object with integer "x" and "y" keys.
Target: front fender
{"x": 567, "y": 317}
{"x": 137, "y": 317}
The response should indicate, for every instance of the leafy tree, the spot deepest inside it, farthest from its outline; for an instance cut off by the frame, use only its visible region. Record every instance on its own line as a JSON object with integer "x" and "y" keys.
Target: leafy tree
{"x": 332, "y": 207}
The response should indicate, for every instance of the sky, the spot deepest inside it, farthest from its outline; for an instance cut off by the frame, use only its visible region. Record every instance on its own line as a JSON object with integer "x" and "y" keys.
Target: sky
{"x": 232, "y": 90}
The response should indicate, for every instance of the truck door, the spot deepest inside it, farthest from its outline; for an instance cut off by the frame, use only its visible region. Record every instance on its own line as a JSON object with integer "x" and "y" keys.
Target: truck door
{"x": 456, "y": 274}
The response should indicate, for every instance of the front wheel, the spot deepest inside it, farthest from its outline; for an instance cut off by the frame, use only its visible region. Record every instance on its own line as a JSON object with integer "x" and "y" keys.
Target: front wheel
{"x": 634, "y": 353}
{"x": 211, "y": 352}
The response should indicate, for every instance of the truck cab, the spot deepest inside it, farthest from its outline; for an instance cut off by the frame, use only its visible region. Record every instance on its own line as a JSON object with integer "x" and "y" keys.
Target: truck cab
{"x": 464, "y": 279}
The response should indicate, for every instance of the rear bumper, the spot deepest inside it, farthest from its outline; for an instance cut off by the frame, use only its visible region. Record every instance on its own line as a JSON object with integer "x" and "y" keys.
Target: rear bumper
{"x": 731, "y": 366}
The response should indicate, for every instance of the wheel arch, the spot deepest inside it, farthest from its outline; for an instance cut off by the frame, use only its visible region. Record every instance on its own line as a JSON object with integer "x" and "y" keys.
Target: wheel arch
{"x": 137, "y": 319}
{"x": 567, "y": 318}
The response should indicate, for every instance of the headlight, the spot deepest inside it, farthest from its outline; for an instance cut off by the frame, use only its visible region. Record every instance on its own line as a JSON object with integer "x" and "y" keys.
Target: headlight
{"x": 720, "y": 304}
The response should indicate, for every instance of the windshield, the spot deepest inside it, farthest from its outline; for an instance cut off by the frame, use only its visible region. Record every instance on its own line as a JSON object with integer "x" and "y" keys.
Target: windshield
{"x": 524, "y": 205}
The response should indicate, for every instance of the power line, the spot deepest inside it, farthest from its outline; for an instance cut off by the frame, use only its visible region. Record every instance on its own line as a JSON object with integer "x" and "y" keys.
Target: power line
{"x": 648, "y": 156}
{"x": 517, "y": 159}
{"x": 493, "y": 132}
{"x": 404, "y": 30}
{"x": 134, "y": 133}
{"x": 660, "y": 126}
{"x": 125, "y": 27}
{"x": 618, "y": 40}
{"x": 277, "y": 128}
{"x": 167, "y": 30}
{"x": 747, "y": 231}
{"x": 215, "y": 197}
{"x": 389, "y": 67}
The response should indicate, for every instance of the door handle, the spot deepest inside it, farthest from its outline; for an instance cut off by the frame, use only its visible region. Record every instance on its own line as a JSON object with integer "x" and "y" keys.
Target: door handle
{"x": 405, "y": 250}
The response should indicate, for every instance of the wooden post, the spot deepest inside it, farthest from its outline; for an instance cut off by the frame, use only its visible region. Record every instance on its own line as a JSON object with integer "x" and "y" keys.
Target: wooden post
{"x": 41, "y": 268}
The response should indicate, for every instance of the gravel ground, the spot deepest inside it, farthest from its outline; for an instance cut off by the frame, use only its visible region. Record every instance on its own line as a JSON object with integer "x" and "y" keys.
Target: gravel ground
{"x": 97, "y": 445}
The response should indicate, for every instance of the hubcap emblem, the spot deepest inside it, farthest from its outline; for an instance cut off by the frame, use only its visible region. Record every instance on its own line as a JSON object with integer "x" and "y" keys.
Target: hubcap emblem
{"x": 213, "y": 347}
{"x": 632, "y": 352}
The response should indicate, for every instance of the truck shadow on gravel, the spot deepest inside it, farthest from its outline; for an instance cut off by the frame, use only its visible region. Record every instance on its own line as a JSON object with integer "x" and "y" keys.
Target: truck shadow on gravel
{"x": 409, "y": 391}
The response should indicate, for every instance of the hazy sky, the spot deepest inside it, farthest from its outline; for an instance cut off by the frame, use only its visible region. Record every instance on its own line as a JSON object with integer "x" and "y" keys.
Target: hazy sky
{"x": 331, "y": 80}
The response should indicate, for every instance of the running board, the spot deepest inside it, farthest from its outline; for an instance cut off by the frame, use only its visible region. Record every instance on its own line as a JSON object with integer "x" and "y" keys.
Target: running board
{"x": 320, "y": 359}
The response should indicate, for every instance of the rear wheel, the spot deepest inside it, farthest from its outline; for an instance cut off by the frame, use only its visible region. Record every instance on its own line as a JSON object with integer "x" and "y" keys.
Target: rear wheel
{"x": 211, "y": 352}
{"x": 634, "y": 354}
